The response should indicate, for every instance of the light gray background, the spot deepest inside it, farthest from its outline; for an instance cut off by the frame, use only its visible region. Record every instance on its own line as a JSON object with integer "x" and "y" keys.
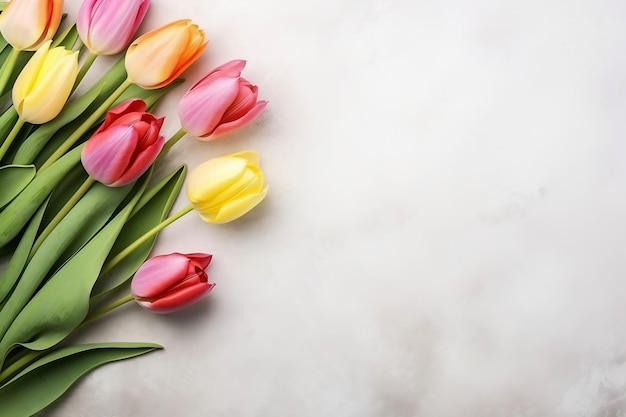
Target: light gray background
{"x": 445, "y": 228}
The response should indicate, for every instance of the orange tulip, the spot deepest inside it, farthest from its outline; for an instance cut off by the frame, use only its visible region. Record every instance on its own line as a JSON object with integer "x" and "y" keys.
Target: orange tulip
{"x": 27, "y": 24}
{"x": 158, "y": 57}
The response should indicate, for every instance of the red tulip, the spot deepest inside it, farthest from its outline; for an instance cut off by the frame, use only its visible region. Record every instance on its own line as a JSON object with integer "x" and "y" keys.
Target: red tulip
{"x": 166, "y": 283}
{"x": 124, "y": 146}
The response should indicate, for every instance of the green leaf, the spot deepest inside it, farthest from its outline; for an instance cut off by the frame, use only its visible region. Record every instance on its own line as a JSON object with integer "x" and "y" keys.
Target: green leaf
{"x": 67, "y": 39}
{"x": 7, "y": 121}
{"x": 47, "y": 379}
{"x": 5, "y": 50}
{"x": 63, "y": 302}
{"x": 17, "y": 213}
{"x": 91, "y": 212}
{"x": 151, "y": 210}
{"x": 20, "y": 256}
{"x": 13, "y": 179}
{"x": 22, "y": 59}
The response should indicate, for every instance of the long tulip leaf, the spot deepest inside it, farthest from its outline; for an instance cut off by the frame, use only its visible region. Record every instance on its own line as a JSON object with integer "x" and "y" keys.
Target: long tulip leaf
{"x": 13, "y": 179}
{"x": 63, "y": 302}
{"x": 151, "y": 210}
{"x": 91, "y": 212}
{"x": 47, "y": 379}
{"x": 20, "y": 256}
{"x": 68, "y": 38}
{"x": 17, "y": 213}
{"x": 7, "y": 121}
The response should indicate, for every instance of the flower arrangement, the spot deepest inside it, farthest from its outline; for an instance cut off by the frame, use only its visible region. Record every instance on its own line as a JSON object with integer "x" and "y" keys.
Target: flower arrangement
{"x": 80, "y": 205}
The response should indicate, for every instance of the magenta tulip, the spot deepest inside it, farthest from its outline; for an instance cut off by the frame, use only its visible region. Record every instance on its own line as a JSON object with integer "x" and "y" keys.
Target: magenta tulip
{"x": 166, "y": 283}
{"x": 124, "y": 146}
{"x": 220, "y": 103}
{"x": 106, "y": 27}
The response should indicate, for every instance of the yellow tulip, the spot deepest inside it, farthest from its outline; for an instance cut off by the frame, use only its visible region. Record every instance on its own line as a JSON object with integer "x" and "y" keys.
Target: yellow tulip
{"x": 45, "y": 83}
{"x": 27, "y": 24}
{"x": 158, "y": 57}
{"x": 225, "y": 188}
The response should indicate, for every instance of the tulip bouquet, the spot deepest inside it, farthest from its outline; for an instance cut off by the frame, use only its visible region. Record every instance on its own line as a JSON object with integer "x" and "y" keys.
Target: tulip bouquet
{"x": 80, "y": 205}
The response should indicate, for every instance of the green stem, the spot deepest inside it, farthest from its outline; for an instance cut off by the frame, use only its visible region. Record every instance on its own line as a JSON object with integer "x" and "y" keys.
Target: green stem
{"x": 150, "y": 233}
{"x": 102, "y": 311}
{"x": 7, "y": 68}
{"x": 69, "y": 142}
{"x": 172, "y": 141}
{"x": 78, "y": 45}
{"x": 61, "y": 214}
{"x": 84, "y": 68}
{"x": 17, "y": 366}
{"x": 12, "y": 135}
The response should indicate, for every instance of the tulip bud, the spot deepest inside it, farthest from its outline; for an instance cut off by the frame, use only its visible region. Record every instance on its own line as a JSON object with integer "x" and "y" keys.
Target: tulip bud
{"x": 225, "y": 188}
{"x": 107, "y": 26}
{"x": 124, "y": 146}
{"x": 220, "y": 102}
{"x": 27, "y": 24}
{"x": 166, "y": 283}
{"x": 156, "y": 58}
{"x": 45, "y": 83}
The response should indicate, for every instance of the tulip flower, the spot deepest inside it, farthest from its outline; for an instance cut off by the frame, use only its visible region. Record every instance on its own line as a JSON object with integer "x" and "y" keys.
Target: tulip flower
{"x": 225, "y": 188}
{"x": 27, "y": 24}
{"x": 106, "y": 27}
{"x": 220, "y": 102}
{"x": 158, "y": 57}
{"x": 124, "y": 146}
{"x": 166, "y": 283}
{"x": 45, "y": 83}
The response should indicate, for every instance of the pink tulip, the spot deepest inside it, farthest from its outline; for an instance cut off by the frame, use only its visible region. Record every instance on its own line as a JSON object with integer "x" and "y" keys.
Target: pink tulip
{"x": 166, "y": 283}
{"x": 124, "y": 146}
{"x": 220, "y": 103}
{"x": 106, "y": 27}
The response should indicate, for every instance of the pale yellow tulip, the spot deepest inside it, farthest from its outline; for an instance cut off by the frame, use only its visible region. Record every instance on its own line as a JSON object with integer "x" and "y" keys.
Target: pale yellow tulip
{"x": 225, "y": 188}
{"x": 45, "y": 83}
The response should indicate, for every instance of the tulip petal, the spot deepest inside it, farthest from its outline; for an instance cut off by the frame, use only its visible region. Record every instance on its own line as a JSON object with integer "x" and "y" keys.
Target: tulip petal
{"x": 227, "y": 128}
{"x": 134, "y": 105}
{"x": 252, "y": 181}
{"x": 158, "y": 274}
{"x": 52, "y": 87}
{"x": 232, "y": 68}
{"x": 179, "y": 299}
{"x": 140, "y": 162}
{"x": 168, "y": 51}
{"x": 28, "y": 76}
{"x": 106, "y": 155}
{"x": 27, "y": 24}
{"x": 209, "y": 179}
{"x": 202, "y": 260}
{"x": 112, "y": 25}
{"x": 235, "y": 209}
{"x": 201, "y": 110}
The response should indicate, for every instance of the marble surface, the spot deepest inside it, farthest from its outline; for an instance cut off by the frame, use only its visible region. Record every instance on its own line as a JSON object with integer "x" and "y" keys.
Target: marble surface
{"x": 445, "y": 228}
